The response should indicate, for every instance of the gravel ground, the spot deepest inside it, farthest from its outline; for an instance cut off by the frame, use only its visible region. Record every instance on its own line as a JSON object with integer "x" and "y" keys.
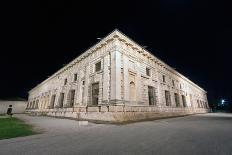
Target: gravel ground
{"x": 197, "y": 134}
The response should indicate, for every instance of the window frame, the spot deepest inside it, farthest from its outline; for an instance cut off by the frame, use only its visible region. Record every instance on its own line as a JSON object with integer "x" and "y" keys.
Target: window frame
{"x": 75, "y": 77}
{"x": 164, "y": 78}
{"x": 95, "y": 67}
{"x": 148, "y": 70}
{"x": 65, "y": 81}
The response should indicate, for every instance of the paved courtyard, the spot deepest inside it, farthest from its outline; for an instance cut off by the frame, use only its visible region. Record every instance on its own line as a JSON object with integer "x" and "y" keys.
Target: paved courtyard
{"x": 198, "y": 134}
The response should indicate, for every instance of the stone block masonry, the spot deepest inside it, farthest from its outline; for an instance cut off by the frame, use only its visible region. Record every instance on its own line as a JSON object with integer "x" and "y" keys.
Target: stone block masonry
{"x": 116, "y": 78}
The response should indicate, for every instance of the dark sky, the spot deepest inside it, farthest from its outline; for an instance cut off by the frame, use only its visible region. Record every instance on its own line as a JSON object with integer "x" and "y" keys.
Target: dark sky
{"x": 195, "y": 37}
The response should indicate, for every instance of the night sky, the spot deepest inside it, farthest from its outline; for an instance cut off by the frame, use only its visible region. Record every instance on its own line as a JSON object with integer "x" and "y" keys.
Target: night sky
{"x": 38, "y": 38}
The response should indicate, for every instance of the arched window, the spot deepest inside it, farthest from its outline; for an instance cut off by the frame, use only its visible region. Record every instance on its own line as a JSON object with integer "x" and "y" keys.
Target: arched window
{"x": 132, "y": 91}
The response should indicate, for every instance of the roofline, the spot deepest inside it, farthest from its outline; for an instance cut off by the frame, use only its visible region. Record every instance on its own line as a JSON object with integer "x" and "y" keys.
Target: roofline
{"x": 175, "y": 71}
{"x": 52, "y": 76}
{"x": 96, "y": 44}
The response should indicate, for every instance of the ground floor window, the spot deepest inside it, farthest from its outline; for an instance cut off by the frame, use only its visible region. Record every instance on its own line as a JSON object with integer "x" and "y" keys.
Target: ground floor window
{"x": 177, "y": 99}
{"x": 168, "y": 98}
{"x": 95, "y": 93}
{"x": 71, "y": 96}
{"x": 61, "y": 100}
{"x": 184, "y": 100}
{"x": 52, "y": 101}
{"x": 151, "y": 95}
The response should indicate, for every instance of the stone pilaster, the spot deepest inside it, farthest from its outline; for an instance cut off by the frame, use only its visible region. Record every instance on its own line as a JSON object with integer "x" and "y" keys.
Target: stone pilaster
{"x": 138, "y": 84}
{"x": 106, "y": 79}
{"x": 115, "y": 77}
{"x": 86, "y": 97}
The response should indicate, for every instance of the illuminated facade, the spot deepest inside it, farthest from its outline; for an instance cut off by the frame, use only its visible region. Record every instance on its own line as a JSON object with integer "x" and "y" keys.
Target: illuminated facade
{"x": 116, "y": 75}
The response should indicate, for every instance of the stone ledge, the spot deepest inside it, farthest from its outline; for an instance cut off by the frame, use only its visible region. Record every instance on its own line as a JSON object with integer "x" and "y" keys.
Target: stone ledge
{"x": 113, "y": 117}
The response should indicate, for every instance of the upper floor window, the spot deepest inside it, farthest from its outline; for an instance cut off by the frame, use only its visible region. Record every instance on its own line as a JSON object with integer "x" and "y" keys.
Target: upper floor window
{"x": 173, "y": 83}
{"x": 75, "y": 77}
{"x": 148, "y": 71}
{"x": 180, "y": 86}
{"x": 164, "y": 78}
{"x": 65, "y": 81}
{"x": 98, "y": 66}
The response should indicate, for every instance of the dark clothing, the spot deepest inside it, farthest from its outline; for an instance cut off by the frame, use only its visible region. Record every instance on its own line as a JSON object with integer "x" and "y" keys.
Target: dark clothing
{"x": 9, "y": 111}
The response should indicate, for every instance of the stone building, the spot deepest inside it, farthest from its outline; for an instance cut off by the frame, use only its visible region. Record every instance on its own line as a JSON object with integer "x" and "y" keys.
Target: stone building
{"x": 116, "y": 75}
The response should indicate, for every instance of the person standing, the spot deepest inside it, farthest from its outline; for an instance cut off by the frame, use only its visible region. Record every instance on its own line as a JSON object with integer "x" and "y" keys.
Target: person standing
{"x": 9, "y": 111}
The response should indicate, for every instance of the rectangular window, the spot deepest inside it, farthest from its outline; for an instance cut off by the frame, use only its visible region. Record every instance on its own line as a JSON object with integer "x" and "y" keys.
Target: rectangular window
{"x": 75, "y": 77}
{"x": 198, "y": 105}
{"x": 61, "y": 100}
{"x": 72, "y": 97}
{"x": 95, "y": 93}
{"x": 168, "y": 98}
{"x": 173, "y": 83}
{"x": 177, "y": 99}
{"x": 98, "y": 66}
{"x": 184, "y": 100}
{"x": 151, "y": 95}
{"x": 52, "y": 101}
{"x": 164, "y": 78}
{"x": 65, "y": 81}
{"x": 148, "y": 71}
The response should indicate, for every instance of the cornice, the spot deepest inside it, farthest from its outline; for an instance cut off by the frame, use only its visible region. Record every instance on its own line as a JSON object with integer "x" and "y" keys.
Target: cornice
{"x": 118, "y": 36}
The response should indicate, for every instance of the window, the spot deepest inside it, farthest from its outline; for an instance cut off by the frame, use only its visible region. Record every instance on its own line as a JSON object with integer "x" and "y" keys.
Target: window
{"x": 148, "y": 71}
{"x": 33, "y": 106}
{"x": 52, "y": 101}
{"x": 177, "y": 99}
{"x": 98, "y": 66}
{"x": 164, "y": 78}
{"x": 206, "y": 105}
{"x": 95, "y": 93}
{"x": 71, "y": 98}
{"x": 180, "y": 86}
{"x": 173, "y": 83}
{"x": 184, "y": 100}
{"x": 167, "y": 98}
{"x": 61, "y": 100}
{"x": 65, "y": 81}
{"x": 198, "y": 105}
{"x": 151, "y": 95}
{"x": 75, "y": 77}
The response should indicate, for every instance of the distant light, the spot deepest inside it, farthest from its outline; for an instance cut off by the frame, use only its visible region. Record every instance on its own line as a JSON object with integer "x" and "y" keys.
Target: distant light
{"x": 99, "y": 38}
{"x": 223, "y": 101}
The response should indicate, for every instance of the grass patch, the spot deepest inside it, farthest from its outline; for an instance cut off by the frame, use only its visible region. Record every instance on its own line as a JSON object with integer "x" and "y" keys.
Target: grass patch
{"x": 13, "y": 127}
